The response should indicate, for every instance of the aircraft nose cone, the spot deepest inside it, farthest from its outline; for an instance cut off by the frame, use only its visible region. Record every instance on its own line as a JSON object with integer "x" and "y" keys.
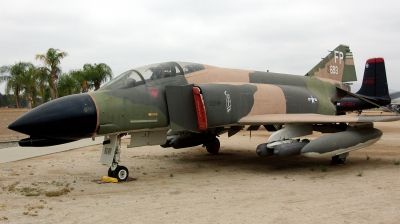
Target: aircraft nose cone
{"x": 71, "y": 117}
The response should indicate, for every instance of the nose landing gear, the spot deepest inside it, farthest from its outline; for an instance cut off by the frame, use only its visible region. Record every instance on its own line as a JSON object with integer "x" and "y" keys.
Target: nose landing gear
{"x": 111, "y": 154}
{"x": 121, "y": 173}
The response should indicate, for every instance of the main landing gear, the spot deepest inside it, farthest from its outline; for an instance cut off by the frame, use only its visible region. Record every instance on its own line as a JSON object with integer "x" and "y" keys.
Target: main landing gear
{"x": 339, "y": 159}
{"x": 213, "y": 146}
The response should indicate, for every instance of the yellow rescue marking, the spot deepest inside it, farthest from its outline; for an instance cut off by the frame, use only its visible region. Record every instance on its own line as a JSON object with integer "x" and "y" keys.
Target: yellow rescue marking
{"x": 152, "y": 114}
{"x": 110, "y": 179}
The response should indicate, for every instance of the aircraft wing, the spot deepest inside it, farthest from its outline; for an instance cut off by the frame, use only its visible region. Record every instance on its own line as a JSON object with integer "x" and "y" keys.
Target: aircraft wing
{"x": 309, "y": 118}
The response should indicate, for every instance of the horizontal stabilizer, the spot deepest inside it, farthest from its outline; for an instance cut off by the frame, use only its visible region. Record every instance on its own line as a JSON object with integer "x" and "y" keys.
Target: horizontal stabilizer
{"x": 358, "y": 96}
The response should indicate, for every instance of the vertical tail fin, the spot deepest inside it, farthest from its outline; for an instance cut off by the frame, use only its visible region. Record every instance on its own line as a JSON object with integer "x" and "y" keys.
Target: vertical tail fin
{"x": 374, "y": 81}
{"x": 337, "y": 65}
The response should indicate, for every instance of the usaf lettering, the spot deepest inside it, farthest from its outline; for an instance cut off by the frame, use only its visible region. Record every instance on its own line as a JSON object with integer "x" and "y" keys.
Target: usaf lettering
{"x": 214, "y": 103}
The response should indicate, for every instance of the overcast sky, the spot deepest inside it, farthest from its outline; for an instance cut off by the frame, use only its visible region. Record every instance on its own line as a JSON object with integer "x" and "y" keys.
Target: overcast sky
{"x": 279, "y": 36}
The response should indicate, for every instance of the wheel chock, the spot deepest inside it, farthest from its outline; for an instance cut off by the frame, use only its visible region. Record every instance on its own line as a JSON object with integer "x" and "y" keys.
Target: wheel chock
{"x": 110, "y": 179}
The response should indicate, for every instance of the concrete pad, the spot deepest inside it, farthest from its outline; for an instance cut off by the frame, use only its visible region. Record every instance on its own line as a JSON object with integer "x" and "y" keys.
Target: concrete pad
{"x": 20, "y": 153}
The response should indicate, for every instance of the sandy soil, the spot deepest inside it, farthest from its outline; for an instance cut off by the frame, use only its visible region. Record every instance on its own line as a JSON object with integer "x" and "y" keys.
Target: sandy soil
{"x": 190, "y": 185}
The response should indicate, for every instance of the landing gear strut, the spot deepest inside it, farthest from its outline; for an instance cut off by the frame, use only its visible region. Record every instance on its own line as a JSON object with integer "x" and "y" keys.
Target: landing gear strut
{"x": 213, "y": 146}
{"x": 116, "y": 171}
{"x": 339, "y": 159}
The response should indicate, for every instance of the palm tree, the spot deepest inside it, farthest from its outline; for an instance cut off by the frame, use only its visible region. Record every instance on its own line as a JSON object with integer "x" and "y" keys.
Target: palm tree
{"x": 42, "y": 81}
{"x": 67, "y": 85}
{"x": 82, "y": 78}
{"x": 13, "y": 75}
{"x": 52, "y": 60}
{"x": 98, "y": 73}
{"x": 28, "y": 86}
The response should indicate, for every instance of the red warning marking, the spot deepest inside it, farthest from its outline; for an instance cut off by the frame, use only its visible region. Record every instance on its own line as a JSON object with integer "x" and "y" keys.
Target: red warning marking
{"x": 154, "y": 92}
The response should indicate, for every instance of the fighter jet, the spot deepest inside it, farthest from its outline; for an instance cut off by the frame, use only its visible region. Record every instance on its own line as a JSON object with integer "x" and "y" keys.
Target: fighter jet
{"x": 374, "y": 92}
{"x": 183, "y": 104}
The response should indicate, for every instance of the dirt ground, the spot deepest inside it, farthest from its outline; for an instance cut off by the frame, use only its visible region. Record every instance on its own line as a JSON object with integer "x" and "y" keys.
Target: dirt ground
{"x": 192, "y": 186}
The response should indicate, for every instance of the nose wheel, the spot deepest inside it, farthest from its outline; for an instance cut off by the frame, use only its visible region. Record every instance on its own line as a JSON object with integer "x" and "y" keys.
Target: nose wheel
{"x": 121, "y": 173}
{"x": 111, "y": 154}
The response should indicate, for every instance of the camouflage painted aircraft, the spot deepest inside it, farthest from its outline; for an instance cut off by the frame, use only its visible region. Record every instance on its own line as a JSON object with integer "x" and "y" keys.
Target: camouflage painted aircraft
{"x": 374, "y": 92}
{"x": 180, "y": 104}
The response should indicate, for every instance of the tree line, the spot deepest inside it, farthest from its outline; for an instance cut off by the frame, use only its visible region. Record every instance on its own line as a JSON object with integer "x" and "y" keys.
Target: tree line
{"x": 39, "y": 84}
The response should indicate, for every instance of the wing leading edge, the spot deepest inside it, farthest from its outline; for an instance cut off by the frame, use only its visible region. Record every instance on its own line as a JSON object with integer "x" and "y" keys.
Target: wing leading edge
{"x": 309, "y": 119}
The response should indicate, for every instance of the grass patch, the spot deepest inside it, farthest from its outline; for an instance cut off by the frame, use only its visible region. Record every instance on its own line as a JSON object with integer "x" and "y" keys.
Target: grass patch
{"x": 312, "y": 168}
{"x": 360, "y": 173}
{"x": 368, "y": 157}
{"x": 396, "y": 162}
{"x": 11, "y": 188}
{"x": 324, "y": 169}
{"x": 171, "y": 175}
{"x": 184, "y": 158}
{"x": 57, "y": 193}
{"x": 30, "y": 208}
{"x": 29, "y": 191}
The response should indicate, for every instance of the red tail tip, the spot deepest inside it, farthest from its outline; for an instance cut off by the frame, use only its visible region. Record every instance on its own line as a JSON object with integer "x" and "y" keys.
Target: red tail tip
{"x": 375, "y": 60}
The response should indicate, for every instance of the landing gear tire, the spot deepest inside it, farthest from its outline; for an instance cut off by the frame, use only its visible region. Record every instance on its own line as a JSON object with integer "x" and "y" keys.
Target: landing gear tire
{"x": 110, "y": 172}
{"x": 337, "y": 160}
{"x": 166, "y": 145}
{"x": 213, "y": 146}
{"x": 121, "y": 173}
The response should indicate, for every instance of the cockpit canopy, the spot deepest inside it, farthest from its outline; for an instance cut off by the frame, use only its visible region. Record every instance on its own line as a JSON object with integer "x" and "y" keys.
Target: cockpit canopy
{"x": 149, "y": 73}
